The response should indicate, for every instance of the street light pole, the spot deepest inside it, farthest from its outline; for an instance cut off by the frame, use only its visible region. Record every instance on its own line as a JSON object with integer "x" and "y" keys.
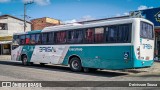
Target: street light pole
{"x": 25, "y": 4}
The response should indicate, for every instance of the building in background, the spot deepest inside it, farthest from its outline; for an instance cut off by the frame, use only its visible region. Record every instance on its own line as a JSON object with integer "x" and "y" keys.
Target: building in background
{"x": 41, "y": 23}
{"x": 153, "y": 15}
{"x": 9, "y": 25}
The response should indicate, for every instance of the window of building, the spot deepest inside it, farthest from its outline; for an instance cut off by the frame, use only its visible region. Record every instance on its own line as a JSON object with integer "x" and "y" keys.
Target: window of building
{"x": 22, "y": 39}
{"x": 89, "y": 36}
{"x": 75, "y": 36}
{"x": 99, "y": 35}
{"x": 60, "y": 37}
{"x": 3, "y": 26}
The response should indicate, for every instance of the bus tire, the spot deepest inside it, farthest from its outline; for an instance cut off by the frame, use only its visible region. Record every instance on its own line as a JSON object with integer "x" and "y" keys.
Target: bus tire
{"x": 75, "y": 64}
{"x": 24, "y": 60}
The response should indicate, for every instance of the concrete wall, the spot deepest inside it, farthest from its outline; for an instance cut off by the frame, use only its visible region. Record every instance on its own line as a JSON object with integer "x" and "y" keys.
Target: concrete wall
{"x": 53, "y": 21}
{"x": 14, "y": 26}
{"x": 41, "y": 23}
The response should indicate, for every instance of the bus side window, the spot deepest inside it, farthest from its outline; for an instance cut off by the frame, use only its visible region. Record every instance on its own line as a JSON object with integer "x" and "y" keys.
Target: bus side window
{"x": 99, "y": 35}
{"x": 60, "y": 37}
{"x": 27, "y": 41}
{"x": 50, "y": 38}
{"x": 112, "y": 34}
{"x": 89, "y": 36}
{"x": 22, "y": 39}
{"x": 75, "y": 36}
{"x": 38, "y": 39}
{"x": 79, "y": 36}
{"x": 16, "y": 40}
{"x": 70, "y": 36}
{"x": 123, "y": 33}
{"x": 44, "y": 38}
{"x": 33, "y": 39}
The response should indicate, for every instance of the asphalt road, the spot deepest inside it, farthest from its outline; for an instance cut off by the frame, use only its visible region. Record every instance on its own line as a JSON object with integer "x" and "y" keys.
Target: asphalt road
{"x": 15, "y": 71}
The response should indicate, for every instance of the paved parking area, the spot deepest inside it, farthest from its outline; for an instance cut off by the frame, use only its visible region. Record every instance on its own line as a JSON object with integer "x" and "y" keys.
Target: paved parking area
{"x": 15, "y": 71}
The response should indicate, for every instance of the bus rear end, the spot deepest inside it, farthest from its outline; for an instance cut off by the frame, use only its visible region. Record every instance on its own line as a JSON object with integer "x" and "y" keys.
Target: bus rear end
{"x": 144, "y": 48}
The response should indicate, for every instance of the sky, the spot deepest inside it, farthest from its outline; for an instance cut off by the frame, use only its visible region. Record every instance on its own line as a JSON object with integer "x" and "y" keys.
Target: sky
{"x": 75, "y": 10}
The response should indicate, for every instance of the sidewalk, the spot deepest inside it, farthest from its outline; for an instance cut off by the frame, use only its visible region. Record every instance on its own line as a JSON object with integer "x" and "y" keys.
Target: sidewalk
{"x": 5, "y": 57}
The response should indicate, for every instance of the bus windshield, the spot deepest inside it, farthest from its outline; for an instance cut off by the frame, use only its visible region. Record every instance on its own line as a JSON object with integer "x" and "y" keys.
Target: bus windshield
{"x": 15, "y": 40}
{"x": 146, "y": 31}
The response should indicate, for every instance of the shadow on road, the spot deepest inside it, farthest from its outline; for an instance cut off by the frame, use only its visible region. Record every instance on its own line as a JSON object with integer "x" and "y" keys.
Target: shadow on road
{"x": 153, "y": 75}
{"x": 102, "y": 73}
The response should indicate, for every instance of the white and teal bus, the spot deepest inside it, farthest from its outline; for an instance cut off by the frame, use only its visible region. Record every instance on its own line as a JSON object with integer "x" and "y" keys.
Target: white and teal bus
{"x": 112, "y": 44}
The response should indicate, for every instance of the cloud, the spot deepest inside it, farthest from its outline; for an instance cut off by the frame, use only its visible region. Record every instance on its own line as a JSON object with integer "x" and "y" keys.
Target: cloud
{"x": 4, "y": 1}
{"x": 143, "y": 7}
{"x": 86, "y": 18}
{"x": 126, "y": 13}
{"x": 0, "y": 13}
{"x": 117, "y": 15}
{"x": 70, "y": 21}
{"x": 39, "y": 2}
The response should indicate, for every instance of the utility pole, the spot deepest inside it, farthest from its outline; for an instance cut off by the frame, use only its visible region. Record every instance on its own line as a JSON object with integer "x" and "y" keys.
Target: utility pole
{"x": 25, "y": 4}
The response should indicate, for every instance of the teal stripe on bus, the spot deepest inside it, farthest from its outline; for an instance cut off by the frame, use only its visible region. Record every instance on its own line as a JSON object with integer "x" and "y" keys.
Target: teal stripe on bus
{"x": 34, "y": 31}
{"x": 105, "y": 57}
{"x": 28, "y": 50}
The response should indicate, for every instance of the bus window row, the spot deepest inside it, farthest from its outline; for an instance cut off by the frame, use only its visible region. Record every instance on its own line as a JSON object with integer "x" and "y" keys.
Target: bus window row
{"x": 109, "y": 34}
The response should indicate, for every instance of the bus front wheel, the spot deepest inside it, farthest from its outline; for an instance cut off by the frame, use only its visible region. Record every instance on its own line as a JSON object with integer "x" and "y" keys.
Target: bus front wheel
{"x": 75, "y": 64}
{"x": 24, "y": 60}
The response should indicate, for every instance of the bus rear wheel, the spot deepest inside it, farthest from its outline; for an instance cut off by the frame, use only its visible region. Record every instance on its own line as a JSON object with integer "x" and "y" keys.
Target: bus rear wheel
{"x": 24, "y": 60}
{"x": 75, "y": 64}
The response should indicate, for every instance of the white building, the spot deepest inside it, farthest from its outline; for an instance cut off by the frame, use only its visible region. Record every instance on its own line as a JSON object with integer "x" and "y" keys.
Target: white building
{"x": 9, "y": 25}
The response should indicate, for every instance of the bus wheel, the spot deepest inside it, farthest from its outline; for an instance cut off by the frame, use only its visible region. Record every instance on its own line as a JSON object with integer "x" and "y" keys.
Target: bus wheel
{"x": 24, "y": 60}
{"x": 75, "y": 64}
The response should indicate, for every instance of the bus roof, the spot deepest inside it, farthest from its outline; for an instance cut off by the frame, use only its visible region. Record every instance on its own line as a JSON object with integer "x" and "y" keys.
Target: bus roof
{"x": 29, "y": 32}
{"x": 78, "y": 25}
{"x": 95, "y": 24}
